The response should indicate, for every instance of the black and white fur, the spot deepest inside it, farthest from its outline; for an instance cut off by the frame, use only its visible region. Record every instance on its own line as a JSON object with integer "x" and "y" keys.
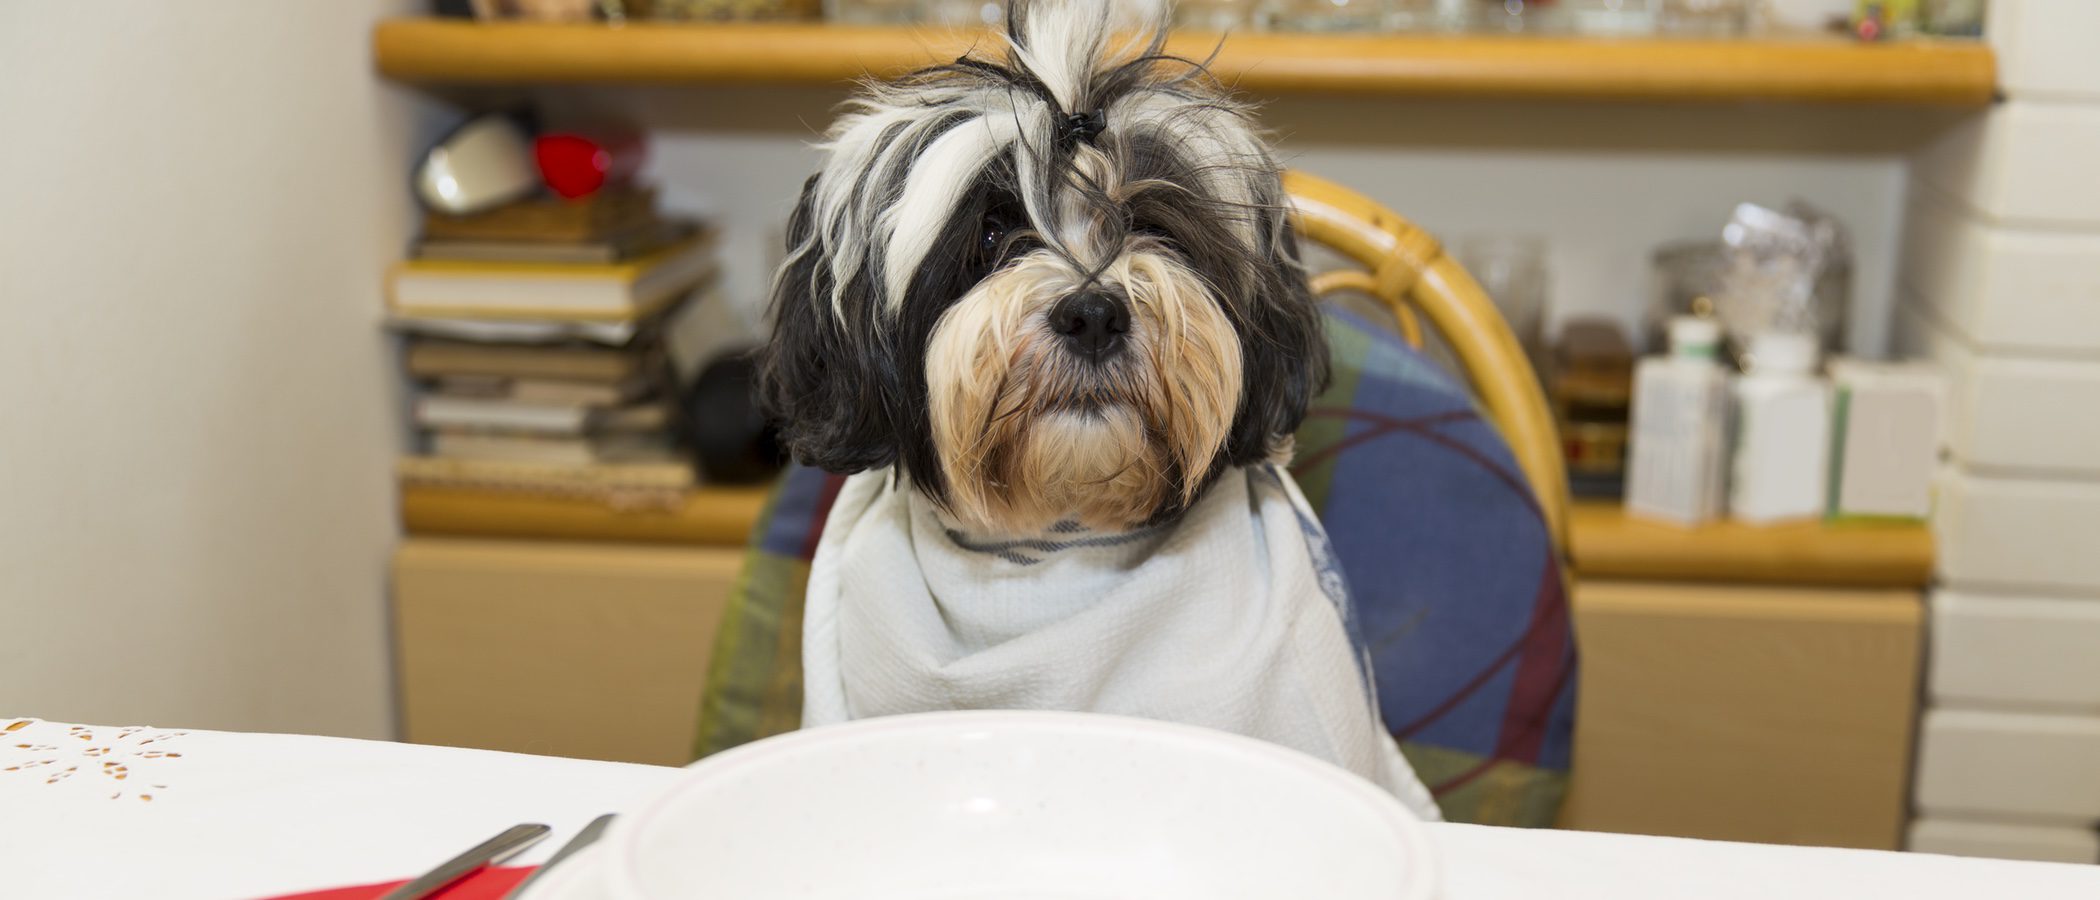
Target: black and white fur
{"x": 1051, "y": 284}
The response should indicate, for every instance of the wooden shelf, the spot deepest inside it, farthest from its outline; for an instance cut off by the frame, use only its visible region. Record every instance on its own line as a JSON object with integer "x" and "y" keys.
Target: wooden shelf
{"x": 1808, "y": 70}
{"x": 709, "y": 516}
{"x": 1605, "y": 543}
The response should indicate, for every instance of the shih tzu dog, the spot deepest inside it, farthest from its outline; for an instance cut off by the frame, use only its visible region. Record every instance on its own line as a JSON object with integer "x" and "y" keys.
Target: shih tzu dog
{"x": 1048, "y": 305}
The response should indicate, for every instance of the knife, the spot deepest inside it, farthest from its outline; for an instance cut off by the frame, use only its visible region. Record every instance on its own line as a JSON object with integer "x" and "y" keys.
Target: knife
{"x": 485, "y": 854}
{"x": 588, "y": 836}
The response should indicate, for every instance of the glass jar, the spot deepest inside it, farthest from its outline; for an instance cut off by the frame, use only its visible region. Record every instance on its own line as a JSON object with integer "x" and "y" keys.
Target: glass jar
{"x": 1957, "y": 18}
{"x": 1516, "y": 16}
{"x": 1214, "y": 15}
{"x": 1706, "y": 18}
{"x": 1686, "y": 281}
{"x": 1512, "y": 269}
{"x": 1615, "y": 18}
{"x": 1322, "y": 15}
{"x": 871, "y": 12}
{"x": 1426, "y": 15}
{"x": 962, "y": 13}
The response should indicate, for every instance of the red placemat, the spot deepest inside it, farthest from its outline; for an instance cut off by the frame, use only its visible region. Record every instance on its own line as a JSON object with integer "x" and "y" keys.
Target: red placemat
{"x": 487, "y": 884}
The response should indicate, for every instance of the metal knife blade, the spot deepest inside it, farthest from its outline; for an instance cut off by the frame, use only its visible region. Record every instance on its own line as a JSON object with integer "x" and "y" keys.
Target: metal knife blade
{"x": 485, "y": 854}
{"x": 584, "y": 838}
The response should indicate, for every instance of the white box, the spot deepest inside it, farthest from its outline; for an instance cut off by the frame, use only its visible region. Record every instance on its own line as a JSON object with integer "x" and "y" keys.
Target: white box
{"x": 2035, "y": 414}
{"x": 1885, "y": 437}
{"x": 1972, "y": 762}
{"x": 2022, "y": 163}
{"x": 2016, "y": 415}
{"x": 2003, "y": 649}
{"x": 1918, "y": 333}
{"x": 2006, "y": 840}
{"x": 2018, "y": 532}
{"x": 2045, "y": 47}
{"x": 2003, "y": 288}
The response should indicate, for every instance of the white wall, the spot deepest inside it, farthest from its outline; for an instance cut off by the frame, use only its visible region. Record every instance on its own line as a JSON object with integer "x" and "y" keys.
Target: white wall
{"x": 197, "y": 410}
{"x": 1605, "y": 184}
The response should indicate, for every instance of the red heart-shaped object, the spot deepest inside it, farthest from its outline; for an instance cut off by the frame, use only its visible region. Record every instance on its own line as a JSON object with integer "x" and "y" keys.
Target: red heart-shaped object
{"x": 573, "y": 165}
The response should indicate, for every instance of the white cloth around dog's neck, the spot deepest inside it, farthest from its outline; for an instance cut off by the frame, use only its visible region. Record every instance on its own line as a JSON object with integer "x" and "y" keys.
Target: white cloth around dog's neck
{"x": 1229, "y": 618}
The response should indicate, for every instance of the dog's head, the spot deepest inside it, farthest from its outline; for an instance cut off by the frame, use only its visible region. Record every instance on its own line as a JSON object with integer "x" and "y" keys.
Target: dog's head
{"x": 1057, "y": 285}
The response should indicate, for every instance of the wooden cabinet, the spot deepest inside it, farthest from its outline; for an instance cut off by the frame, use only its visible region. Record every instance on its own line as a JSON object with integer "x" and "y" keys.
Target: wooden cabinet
{"x": 1746, "y": 683}
{"x": 1748, "y": 713}
{"x": 1738, "y": 683}
{"x": 591, "y": 650}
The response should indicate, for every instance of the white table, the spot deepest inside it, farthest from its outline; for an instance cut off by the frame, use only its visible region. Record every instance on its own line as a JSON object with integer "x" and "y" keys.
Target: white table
{"x": 248, "y": 815}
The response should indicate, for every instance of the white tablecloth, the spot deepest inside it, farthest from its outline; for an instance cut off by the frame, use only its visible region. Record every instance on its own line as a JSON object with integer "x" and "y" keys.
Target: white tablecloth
{"x": 249, "y": 815}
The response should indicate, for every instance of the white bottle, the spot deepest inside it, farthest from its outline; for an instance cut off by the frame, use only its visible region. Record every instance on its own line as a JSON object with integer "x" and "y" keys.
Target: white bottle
{"x": 1782, "y": 432}
{"x": 1676, "y": 464}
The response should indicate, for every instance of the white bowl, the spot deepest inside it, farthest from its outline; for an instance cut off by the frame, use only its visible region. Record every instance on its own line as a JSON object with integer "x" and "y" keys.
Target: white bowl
{"x": 1013, "y": 805}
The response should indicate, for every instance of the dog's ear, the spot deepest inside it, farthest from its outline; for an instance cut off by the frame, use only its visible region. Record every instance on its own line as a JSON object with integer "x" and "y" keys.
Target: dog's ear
{"x": 818, "y": 376}
{"x": 1283, "y": 349}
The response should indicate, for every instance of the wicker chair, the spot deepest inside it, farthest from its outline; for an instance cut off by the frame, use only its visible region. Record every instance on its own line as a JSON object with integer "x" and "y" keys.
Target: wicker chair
{"x": 1407, "y": 270}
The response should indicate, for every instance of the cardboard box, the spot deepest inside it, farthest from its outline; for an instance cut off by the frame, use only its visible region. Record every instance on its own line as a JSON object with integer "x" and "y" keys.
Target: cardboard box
{"x": 1886, "y": 432}
{"x": 588, "y": 650}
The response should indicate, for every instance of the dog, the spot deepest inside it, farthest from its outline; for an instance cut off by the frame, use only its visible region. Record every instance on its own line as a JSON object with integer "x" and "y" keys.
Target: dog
{"x": 1047, "y": 307}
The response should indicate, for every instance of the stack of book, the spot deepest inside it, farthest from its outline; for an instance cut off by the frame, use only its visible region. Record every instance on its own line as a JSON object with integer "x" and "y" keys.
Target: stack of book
{"x": 537, "y": 344}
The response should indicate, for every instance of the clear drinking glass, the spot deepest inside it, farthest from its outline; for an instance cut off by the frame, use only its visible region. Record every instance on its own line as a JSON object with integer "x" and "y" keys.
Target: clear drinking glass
{"x": 1611, "y": 17}
{"x": 1512, "y": 269}
{"x": 872, "y": 12}
{"x": 962, "y": 13}
{"x": 1322, "y": 15}
{"x": 1706, "y": 18}
{"x": 1426, "y": 15}
{"x": 1213, "y": 15}
{"x": 1516, "y": 16}
{"x": 1960, "y": 18}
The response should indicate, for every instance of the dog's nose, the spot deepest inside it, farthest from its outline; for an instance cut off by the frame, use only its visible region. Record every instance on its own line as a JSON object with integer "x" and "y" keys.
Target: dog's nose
{"x": 1093, "y": 323}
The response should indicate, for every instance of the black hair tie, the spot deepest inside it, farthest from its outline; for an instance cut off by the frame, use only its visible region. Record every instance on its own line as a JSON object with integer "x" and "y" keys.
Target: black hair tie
{"x": 1081, "y": 127}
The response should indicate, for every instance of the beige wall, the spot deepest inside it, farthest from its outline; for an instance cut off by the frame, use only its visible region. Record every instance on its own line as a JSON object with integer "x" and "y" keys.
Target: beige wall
{"x": 196, "y": 406}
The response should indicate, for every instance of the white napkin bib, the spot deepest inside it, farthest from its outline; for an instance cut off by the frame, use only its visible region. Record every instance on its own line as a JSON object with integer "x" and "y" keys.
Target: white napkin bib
{"x": 1230, "y": 618}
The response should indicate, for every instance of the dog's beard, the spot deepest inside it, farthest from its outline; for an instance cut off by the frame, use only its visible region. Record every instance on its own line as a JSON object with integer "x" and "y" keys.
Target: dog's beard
{"x": 1029, "y": 433}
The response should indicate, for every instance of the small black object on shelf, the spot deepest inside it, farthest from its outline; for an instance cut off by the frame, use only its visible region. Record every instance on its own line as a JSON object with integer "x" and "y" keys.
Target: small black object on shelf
{"x": 731, "y": 440}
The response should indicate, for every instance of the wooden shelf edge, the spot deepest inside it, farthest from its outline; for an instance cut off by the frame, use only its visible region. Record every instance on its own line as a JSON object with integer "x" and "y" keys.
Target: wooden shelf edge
{"x": 1605, "y": 543}
{"x": 1805, "y": 70}
{"x": 708, "y": 516}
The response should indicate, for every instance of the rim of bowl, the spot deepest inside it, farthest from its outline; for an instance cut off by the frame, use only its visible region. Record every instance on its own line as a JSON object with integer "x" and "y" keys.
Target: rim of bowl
{"x": 619, "y": 863}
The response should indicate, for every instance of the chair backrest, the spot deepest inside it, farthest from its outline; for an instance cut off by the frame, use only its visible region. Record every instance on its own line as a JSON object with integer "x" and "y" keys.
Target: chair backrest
{"x": 1407, "y": 270}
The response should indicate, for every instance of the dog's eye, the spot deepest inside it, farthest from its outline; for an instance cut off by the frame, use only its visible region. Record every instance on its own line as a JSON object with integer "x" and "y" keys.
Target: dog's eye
{"x": 994, "y": 233}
